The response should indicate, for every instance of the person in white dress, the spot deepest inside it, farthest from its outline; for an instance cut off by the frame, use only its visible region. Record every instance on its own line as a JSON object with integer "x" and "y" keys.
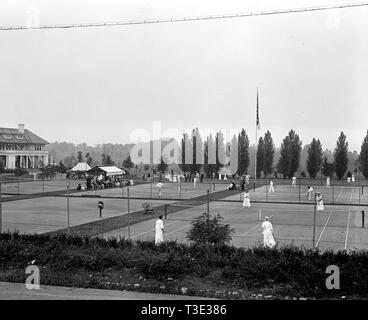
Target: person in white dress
{"x": 293, "y": 182}
{"x": 159, "y": 235}
{"x": 195, "y": 182}
{"x": 246, "y": 200}
{"x": 271, "y": 188}
{"x": 353, "y": 178}
{"x": 319, "y": 200}
{"x": 268, "y": 235}
{"x": 328, "y": 181}
{"x": 310, "y": 192}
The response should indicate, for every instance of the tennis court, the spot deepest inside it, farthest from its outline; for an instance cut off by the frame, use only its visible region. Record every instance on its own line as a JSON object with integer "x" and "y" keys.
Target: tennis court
{"x": 338, "y": 227}
{"x": 40, "y": 215}
{"x": 353, "y": 195}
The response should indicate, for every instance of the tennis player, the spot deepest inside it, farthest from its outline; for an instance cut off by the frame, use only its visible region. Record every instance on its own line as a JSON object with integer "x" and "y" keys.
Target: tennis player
{"x": 268, "y": 235}
{"x": 159, "y": 236}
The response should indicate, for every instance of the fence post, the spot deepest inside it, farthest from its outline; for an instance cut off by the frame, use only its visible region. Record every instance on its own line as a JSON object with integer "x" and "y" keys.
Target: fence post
{"x": 362, "y": 218}
{"x": 180, "y": 188}
{"x": 68, "y": 210}
{"x": 333, "y": 194}
{"x": 165, "y": 211}
{"x": 128, "y": 213}
{"x": 1, "y": 212}
{"x": 299, "y": 192}
{"x": 151, "y": 178}
{"x": 359, "y": 194}
{"x": 266, "y": 193}
{"x": 314, "y": 220}
{"x": 208, "y": 203}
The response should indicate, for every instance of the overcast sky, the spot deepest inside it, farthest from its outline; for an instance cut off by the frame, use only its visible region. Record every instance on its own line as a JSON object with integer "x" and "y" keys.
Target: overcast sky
{"x": 96, "y": 85}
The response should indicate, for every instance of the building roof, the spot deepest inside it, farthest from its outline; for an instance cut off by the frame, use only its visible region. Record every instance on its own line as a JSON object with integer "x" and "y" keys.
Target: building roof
{"x": 81, "y": 166}
{"x": 110, "y": 171}
{"x": 8, "y": 135}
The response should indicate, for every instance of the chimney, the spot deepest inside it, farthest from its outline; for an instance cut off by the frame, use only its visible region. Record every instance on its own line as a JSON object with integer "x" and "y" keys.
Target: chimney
{"x": 21, "y": 127}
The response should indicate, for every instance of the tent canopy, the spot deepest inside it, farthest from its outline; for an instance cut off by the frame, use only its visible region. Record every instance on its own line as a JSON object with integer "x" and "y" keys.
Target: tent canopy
{"x": 108, "y": 171}
{"x": 82, "y": 167}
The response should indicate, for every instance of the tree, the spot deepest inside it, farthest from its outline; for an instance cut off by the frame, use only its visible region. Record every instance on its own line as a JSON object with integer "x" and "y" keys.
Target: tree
{"x": 128, "y": 163}
{"x": 289, "y": 155}
{"x": 80, "y": 156}
{"x": 341, "y": 156}
{"x": 61, "y": 167}
{"x": 186, "y": 147}
{"x": 209, "y": 156}
{"x": 314, "y": 160}
{"x": 269, "y": 153}
{"x": 209, "y": 230}
{"x": 243, "y": 151}
{"x": 327, "y": 168}
{"x": 220, "y": 151}
{"x": 363, "y": 157}
{"x": 88, "y": 158}
{"x": 260, "y": 157}
{"x": 70, "y": 161}
{"x": 197, "y": 144}
{"x": 109, "y": 161}
{"x": 162, "y": 167}
{"x": 103, "y": 159}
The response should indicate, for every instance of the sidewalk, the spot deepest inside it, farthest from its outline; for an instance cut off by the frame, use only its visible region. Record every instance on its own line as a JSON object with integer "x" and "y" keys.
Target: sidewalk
{"x": 18, "y": 291}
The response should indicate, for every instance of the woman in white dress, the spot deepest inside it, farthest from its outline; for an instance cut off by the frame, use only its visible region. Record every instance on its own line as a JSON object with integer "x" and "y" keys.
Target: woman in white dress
{"x": 246, "y": 201}
{"x": 159, "y": 235}
{"x": 268, "y": 236}
{"x": 319, "y": 200}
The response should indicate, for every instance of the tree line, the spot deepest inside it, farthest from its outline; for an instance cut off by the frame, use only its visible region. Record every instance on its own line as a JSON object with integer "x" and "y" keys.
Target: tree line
{"x": 211, "y": 154}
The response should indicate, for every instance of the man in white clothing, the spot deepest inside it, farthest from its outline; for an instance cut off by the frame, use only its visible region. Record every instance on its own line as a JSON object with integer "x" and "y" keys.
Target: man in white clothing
{"x": 310, "y": 192}
{"x": 159, "y": 236}
{"x": 271, "y": 189}
{"x": 293, "y": 182}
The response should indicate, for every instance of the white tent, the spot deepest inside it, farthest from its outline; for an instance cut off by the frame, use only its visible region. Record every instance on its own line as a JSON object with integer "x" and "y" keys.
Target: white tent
{"x": 112, "y": 171}
{"x": 81, "y": 167}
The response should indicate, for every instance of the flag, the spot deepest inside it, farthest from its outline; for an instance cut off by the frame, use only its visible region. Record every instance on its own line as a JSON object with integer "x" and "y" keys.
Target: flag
{"x": 257, "y": 121}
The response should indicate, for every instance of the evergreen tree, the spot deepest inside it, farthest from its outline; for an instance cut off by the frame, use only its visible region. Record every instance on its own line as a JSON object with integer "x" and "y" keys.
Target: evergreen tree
{"x": 80, "y": 156}
{"x": 363, "y": 157}
{"x": 269, "y": 153}
{"x": 314, "y": 160}
{"x": 128, "y": 163}
{"x": 197, "y": 151}
{"x": 103, "y": 159}
{"x": 289, "y": 154}
{"x": 327, "y": 168}
{"x": 162, "y": 167}
{"x": 220, "y": 151}
{"x": 109, "y": 161}
{"x": 243, "y": 151}
{"x": 209, "y": 156}
{"x": 341, "y": 156}
{"x": 260, "y": 157}
{"x": 88, "y": 158}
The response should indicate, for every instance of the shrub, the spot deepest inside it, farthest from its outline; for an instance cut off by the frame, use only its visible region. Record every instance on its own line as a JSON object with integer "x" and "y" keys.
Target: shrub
{"x": 210, "y": 230}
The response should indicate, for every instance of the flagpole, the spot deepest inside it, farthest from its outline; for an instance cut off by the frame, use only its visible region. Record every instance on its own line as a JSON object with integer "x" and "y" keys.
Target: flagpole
{"x": 256, "y": 144}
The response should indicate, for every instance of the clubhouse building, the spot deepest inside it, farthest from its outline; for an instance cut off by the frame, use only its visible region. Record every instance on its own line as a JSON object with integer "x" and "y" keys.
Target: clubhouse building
{"x": 22, "y": 148}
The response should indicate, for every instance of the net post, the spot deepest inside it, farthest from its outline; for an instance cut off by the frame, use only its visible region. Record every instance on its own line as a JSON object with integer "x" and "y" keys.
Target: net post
{"x": 266, "y": 193}
{"x": 254, "y": 186}
{"x": 333, "y": 194}
{"x": 362, "y": 218}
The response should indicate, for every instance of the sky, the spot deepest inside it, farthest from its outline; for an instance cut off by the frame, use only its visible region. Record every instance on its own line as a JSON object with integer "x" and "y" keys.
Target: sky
{"x": 99, "y": 85}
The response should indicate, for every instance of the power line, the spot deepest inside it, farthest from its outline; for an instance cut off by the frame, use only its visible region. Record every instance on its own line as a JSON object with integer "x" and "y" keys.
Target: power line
{"x": 183, "y": 19}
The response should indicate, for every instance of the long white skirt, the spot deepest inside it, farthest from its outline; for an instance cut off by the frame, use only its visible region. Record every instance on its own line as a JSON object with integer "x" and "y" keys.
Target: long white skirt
{"x": 246, "y": 202}
{"x": 320, "y": 206}
{"x": 268, "y": 240}
{"x": 159, "y": 238}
